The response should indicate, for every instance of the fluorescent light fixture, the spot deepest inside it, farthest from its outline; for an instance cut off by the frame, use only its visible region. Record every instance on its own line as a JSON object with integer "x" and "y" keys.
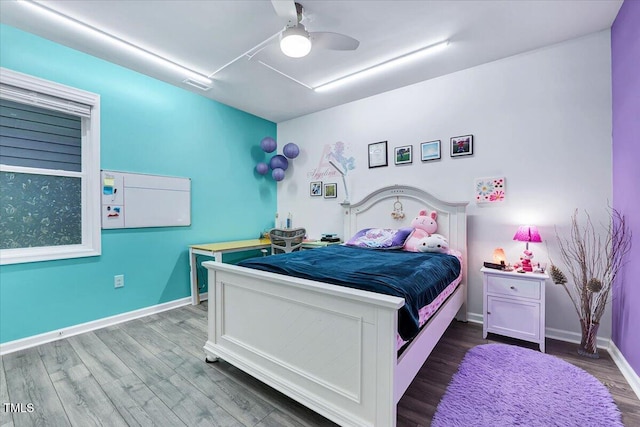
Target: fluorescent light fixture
{"x": 120, "y": 43}
{"x": 344, "y": 180}
{"x": 295, "y": 42}
{"x": 383, "y": 66}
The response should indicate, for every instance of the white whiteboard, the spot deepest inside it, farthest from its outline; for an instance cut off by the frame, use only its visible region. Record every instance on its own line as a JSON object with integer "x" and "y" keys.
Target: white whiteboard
{"x": 131, "y": 200}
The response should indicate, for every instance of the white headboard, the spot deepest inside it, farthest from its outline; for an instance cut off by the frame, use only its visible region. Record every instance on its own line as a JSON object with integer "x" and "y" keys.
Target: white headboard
{"x": 375, "y": 209}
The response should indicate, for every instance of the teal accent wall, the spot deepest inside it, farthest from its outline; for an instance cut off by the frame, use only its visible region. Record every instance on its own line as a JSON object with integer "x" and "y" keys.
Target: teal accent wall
{"x": 147, "y": 126}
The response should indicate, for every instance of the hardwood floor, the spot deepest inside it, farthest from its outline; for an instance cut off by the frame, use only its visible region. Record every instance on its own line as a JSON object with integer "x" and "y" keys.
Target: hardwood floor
{"x": 151, "y": 372}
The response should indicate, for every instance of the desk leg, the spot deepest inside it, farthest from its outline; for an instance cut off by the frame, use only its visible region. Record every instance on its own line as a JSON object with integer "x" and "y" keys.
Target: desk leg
{"x": 217, "y": 257}
{"x": 195, "y": 292}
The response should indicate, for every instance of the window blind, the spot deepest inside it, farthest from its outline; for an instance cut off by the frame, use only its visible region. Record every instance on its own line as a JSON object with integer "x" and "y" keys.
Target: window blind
{"x": 37, "y": 137}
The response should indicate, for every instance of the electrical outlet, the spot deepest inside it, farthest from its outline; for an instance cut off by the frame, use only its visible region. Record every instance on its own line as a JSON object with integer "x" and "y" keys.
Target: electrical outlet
{"x": 118, "y": 281}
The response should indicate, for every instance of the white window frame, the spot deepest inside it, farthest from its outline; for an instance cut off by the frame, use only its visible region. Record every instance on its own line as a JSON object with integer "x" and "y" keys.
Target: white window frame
{"x": 89, "y": 174}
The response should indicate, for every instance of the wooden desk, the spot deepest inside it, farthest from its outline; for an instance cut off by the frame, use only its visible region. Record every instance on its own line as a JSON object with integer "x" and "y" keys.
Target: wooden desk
{"x": 216, "y": 250}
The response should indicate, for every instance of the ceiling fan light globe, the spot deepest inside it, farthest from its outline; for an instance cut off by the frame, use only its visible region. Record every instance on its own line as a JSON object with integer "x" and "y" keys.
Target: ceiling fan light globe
{"x": 295, "y": 42}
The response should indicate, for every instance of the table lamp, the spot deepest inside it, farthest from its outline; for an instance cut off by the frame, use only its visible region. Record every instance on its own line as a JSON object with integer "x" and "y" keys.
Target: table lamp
{"x": 527, "y": 233}
{"x": 499, "y": 256}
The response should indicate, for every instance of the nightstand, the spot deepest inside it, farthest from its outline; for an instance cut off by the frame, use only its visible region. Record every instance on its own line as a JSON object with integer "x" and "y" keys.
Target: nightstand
{"x": 513, "y": 304}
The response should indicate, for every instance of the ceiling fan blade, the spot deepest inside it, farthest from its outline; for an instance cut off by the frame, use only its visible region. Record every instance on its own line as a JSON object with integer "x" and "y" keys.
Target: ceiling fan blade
{"x": 285, "y": 9}
{"x": 333, "y": 41}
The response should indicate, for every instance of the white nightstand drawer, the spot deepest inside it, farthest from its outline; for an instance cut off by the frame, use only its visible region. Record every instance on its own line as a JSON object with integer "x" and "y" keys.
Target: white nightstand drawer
{"x": 513, "y": 287}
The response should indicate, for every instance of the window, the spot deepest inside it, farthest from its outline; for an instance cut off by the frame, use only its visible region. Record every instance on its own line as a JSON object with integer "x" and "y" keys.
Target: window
{"x": 49, "y": 170}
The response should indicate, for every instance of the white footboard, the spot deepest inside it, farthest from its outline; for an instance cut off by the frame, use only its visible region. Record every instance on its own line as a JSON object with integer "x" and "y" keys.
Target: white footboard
{"x": 331, "y": 348}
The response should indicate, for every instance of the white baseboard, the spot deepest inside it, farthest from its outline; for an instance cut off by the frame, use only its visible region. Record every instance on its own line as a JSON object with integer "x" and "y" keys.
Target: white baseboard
{"x": 474, "y": 318}
{"x": 556, "y": 334}
{"x": 561, "y": 335}
{"x": 35, "y": 340}
{"x": 627, "y": 371}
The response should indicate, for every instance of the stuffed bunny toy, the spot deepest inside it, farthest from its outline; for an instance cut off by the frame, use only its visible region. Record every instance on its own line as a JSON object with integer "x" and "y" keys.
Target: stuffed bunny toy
{"x": 423, "y": 225}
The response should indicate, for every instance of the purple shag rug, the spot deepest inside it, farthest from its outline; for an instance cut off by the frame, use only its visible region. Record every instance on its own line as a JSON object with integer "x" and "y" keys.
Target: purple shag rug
{"x": 505, "y": 385}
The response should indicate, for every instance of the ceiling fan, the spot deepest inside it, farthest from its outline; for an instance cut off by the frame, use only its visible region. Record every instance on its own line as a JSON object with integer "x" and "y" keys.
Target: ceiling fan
{"x": 296, "y": 41}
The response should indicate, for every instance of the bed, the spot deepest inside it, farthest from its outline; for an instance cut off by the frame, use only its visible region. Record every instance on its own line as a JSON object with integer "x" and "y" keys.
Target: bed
{"x": 283, "y": 330}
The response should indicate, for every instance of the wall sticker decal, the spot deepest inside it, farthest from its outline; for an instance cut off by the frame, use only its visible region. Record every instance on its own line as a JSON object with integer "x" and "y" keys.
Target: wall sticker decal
{"x": 339, "y": 153}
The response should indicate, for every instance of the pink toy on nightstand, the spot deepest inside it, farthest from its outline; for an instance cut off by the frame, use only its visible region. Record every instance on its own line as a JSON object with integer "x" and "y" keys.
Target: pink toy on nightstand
{"x": 526, "y": 261}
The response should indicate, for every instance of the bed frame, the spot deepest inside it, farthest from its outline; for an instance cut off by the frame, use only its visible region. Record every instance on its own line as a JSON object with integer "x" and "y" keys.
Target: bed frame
{"x": 332, "y": 348}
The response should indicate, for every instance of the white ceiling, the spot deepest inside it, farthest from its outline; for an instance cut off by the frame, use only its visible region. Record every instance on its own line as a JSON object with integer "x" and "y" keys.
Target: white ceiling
{"x": 205, "y": 35}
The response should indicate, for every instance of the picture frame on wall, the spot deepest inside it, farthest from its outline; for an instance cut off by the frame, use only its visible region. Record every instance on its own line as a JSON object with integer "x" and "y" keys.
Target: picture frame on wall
{"x": 403, "y": 155}
{"x": 491, "y": 190}
{"x": 430, "y": 151}
{"x": 462, "y": 145}
{"x": 378, "y": 154}
{"x": 315, "y": 188}
{"x": 330, "y": 190}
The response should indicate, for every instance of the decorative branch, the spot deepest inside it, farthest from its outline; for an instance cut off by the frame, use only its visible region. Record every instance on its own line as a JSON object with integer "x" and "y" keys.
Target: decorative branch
{"x": 593, "y": 260}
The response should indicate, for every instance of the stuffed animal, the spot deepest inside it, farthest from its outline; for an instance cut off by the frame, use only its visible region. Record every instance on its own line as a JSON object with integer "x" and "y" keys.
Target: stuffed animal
{"x": 526, "y": 261}
{"x": 433, "y": 243}
{"x": 423, "y": 226}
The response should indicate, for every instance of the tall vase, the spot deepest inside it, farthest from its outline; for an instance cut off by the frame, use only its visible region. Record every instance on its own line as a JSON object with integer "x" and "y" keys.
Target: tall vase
{"x": 589, "y": 342}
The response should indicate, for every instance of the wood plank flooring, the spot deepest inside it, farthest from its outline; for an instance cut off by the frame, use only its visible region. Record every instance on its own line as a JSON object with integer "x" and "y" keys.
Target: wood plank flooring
{"x": 151, "y": 372}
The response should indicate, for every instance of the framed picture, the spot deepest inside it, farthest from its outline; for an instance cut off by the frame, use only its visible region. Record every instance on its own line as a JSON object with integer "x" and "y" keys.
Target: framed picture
{"x": 377, "y": 154}
{"x": 315, "y": 188}
{"x": 490, "y": 190}
{"x": 462, "y": 145}
{"x": 403, "y": 154}
{"x": 331, "y": 190}
{"x": 430, "y": 150}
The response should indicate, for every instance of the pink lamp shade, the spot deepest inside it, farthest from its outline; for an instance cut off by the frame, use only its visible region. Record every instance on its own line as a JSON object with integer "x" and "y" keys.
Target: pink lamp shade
{"x": 528, "y": 233}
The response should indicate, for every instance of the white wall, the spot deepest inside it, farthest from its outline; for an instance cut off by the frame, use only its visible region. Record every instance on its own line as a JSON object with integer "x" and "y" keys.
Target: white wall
{"x": 541, "y": 119}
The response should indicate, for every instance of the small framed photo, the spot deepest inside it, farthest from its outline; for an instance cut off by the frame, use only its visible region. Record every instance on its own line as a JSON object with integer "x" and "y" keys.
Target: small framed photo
{"x": 378, "y": 154}
{"x": 430, "y": 150}
{"x": 315, "y": 188}
{"x": 462, "y": 145}
{"x": 331, "y": 190}
{"x": 403, "y": 155}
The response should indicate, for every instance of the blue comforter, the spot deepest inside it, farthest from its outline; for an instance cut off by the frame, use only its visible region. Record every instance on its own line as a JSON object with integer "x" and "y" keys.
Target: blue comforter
{"x": 416, "y": 277}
